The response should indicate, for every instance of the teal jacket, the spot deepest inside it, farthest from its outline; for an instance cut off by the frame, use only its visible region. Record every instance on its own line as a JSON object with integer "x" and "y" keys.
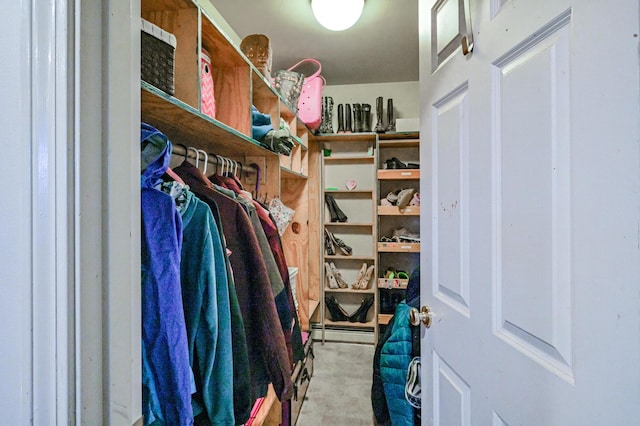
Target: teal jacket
{"x": 205, "y": 294}
{"x": 395, "y": 357}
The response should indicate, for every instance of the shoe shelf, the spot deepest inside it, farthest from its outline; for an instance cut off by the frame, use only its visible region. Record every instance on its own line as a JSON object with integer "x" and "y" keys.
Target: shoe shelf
{"x": 349, "y": 324}
{"x": 349, "y": 290}
{"x": 383, "y": 319}
{"x": 392, "y": 283}
{"x": 397, "y": 211}
{"x": 353, "y": 257}
{"x": 349, "y": 159}
{"x": 401, "y": 174}
{"x": 399, "y": 247}
{"x": 346, "y": 224}
{"x": 395, "y": 151}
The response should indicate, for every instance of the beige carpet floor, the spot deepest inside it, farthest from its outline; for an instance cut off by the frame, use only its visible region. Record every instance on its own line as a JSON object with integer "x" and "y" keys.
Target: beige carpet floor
{"x": 339, "y": 393}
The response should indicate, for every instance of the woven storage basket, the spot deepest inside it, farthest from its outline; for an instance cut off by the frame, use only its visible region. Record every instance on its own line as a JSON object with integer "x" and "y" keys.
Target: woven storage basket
{"x": 158, "y": 53}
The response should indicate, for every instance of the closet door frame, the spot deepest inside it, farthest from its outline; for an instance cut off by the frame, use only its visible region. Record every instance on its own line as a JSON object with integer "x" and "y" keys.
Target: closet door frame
{"x": 107, "y": 212}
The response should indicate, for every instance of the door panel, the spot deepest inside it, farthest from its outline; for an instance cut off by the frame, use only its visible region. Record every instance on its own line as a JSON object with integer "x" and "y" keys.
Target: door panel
{"x": 452, "y": 406}
{"x": 533, "y": 177}
{"x": 532, "y": 308}
{"x": 451, "y": 130}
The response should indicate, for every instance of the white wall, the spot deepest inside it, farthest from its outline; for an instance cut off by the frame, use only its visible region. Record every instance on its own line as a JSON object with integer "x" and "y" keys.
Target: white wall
{"x": 406, "y": 102}
{"x": 404, "y": 94}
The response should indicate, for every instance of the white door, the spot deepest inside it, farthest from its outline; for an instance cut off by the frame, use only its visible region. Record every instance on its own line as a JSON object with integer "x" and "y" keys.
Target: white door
{"x": 531, "y": 253}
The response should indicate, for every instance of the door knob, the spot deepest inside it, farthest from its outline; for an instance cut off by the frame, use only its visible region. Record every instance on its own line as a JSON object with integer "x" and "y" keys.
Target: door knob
{"x": 423, "y": 316}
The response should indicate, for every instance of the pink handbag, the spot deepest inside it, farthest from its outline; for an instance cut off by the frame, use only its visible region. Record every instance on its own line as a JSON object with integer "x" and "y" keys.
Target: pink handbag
{"x": 310, "y": 100}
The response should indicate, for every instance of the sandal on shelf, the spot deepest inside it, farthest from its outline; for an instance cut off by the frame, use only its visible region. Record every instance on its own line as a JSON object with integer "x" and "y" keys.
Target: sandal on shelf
{"x": 415, "y": 201}
{"x": 404, "y": 197}
{"x": 363, "y": 270}
{"x": 328, "y": 244}
{"x": 392, "y": 197}
{"x": 405, "y": 235}
{"x": 345, "y": 249}
{"x": 331, "y": 279}
{"x": 338, "y": 276}
{"x": 363, "y": 284}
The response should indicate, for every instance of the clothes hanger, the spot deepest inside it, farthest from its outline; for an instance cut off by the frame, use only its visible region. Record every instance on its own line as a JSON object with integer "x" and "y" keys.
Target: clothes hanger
{"x": 205, "y": 161}
{"x": 171, "y": 173}
{"x": 197, "y": 155}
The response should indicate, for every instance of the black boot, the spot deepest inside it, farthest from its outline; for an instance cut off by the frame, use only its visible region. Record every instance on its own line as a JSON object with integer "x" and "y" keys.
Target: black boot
{"x": 337, "y": 215}
{"x": 340, "y": 118}
{"x": 329, "y": 111}
{"x": 361, "y": 314}
{"x": 391, "y": 121}
{"x": 366, "y": 117}
{"x": 336, "y": 311}
{"x": 348, "y": 117}
{"x": 357, "y": 116}
{"x": 379, "y": 111}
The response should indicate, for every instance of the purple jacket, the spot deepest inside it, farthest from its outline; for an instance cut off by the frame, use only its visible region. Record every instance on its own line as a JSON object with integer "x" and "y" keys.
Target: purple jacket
{"x": 164, "y": 333}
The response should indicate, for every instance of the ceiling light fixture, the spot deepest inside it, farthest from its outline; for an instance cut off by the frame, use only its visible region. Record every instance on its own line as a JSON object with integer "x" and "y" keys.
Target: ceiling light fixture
{"x": 337, "y": 15}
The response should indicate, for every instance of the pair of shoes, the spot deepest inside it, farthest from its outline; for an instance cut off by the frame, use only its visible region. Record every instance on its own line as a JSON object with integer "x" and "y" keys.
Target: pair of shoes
{"x": 401, "y": 197}
{"x": 337, "y": 312}
{"x": 361, "y": 314}
{"x": 364, "y": 277}
{"x": 415, "y": 201}
{"x": 392, "y": 274}
{"x": 337, "y": 242}
{"x": 337, "y": 215}
{"x": 394, "y": 163}
{"x": 328, "y": 244}
{"x": 403, "y": 234}
{"x": 334, "y": 277}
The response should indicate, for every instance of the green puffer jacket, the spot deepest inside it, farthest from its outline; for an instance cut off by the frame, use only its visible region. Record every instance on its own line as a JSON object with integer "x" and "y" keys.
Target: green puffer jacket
{"x": 394, "y": 361}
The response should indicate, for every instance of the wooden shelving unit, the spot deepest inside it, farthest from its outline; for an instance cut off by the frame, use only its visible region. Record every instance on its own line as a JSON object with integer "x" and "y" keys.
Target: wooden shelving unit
{"x": 398, "y": 256}
{"x": 352, "y": 157}
{"x": 238, "y": 85}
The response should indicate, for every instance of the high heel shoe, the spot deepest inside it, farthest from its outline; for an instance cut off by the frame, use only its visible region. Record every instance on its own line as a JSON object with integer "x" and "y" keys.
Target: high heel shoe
{"x": 363, "y": 270}
{"x": 337, "y": 275}
{"x": 328, "y": 244}
{"x": 337, "y": 215}
{"x": 363, "y": 283}
{"x": 331, "y": 279}
{"x": 361, "y": 314}
{"x": 345, "y": 249}
{"x": 336, "y": 311}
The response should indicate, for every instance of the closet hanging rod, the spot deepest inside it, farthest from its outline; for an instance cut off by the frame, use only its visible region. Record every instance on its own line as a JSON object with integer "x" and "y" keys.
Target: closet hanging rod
{"x": 190, "y": 153}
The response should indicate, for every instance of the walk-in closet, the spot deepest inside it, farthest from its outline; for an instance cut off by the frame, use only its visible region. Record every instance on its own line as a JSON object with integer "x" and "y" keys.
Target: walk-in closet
{"x": 230, "y": 212}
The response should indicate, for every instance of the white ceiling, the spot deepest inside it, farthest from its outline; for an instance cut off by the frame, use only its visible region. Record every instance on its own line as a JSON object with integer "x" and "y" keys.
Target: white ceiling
{"x": 381, "y": 47}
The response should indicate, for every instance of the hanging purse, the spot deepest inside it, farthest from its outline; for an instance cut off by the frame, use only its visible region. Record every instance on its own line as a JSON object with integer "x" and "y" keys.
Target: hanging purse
{"x": 289, "y": 85}
{"x": 310, "y": 100}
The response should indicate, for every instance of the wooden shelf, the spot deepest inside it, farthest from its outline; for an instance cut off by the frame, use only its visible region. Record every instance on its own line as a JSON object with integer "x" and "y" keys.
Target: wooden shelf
{"x": 349, "y": 159}
{"x": 345, "y": 137}
{"x": 349, "y": 324}
{"x": 370, "y": 290}
{"x": 396, "y": 211}
{"x": 383, "y": 319}
{"x": 339, "y": 257}
{"x": 399, "y": 137}
{"x": 399, "y": 174}
{"x": 394, "y": 283}
{"x": 345, "y": 224}
{"x": 399, "y": 247}
{"x": 313, "y": 307}
{"x": 185, "y": 124}
{"x": 347, "y": 191}
{"x": 290, "y": 174}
